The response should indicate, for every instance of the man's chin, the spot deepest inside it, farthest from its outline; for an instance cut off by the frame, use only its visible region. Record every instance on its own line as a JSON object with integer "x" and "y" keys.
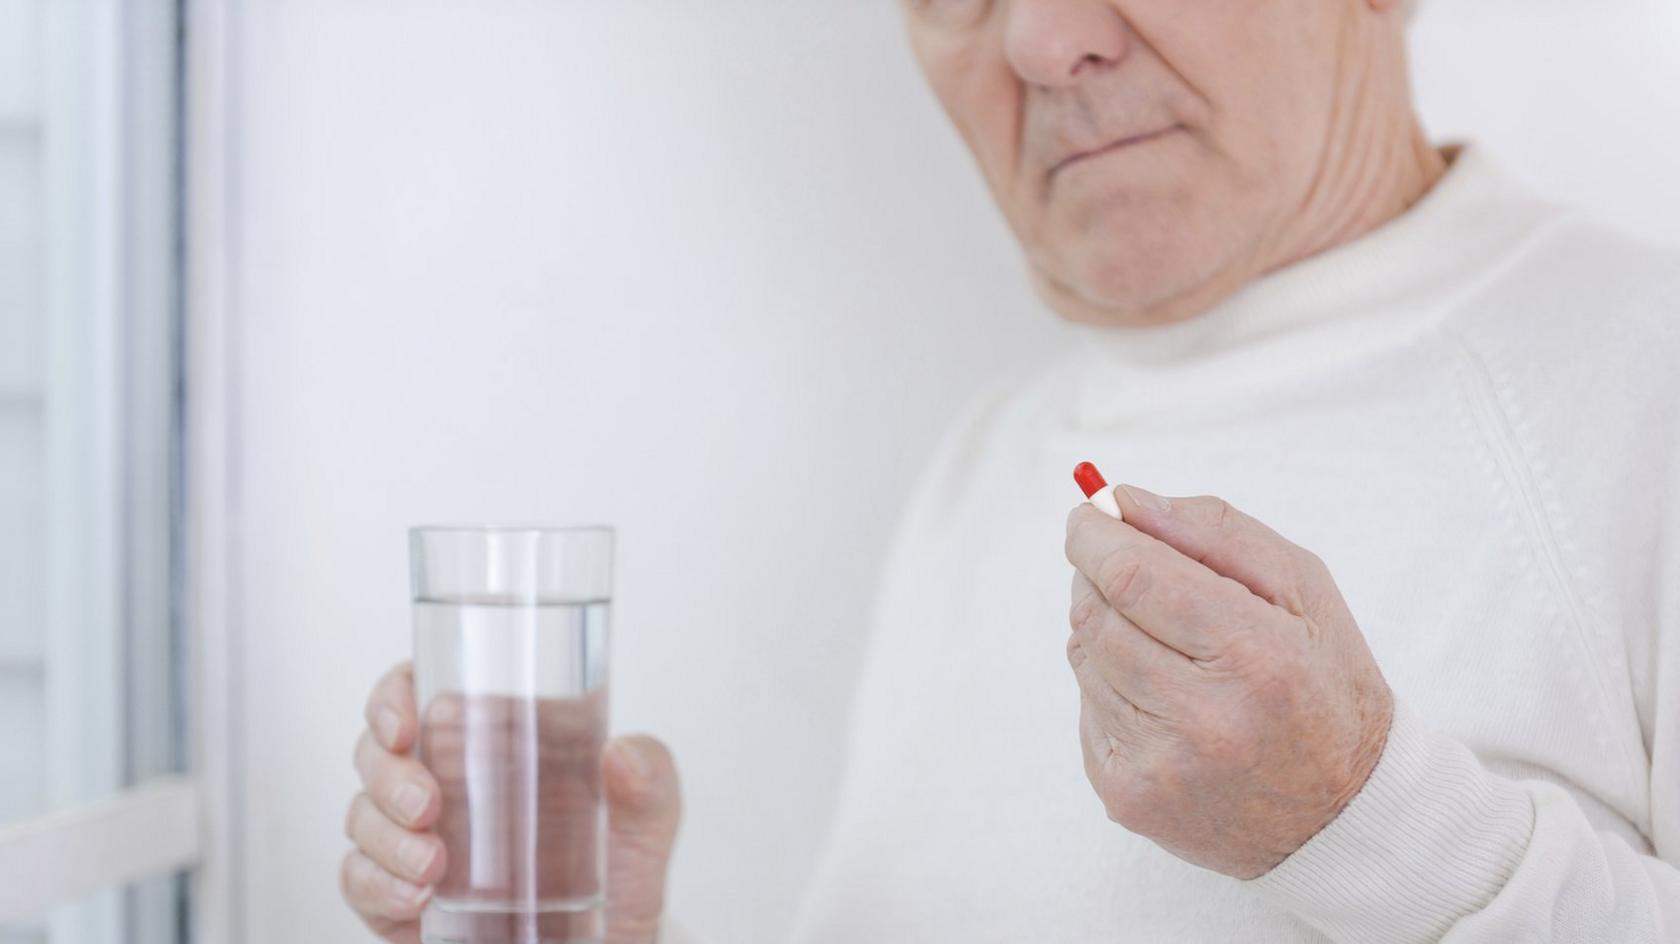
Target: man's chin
{"x": 1117, "y": 300}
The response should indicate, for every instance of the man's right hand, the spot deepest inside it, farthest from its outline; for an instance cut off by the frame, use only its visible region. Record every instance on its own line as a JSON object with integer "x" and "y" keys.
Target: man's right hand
{"x": 388, "y": 878}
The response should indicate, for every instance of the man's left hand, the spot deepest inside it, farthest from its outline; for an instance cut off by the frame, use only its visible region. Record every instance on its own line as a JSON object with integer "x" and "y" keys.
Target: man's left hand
{"x": 1229, "y": 705}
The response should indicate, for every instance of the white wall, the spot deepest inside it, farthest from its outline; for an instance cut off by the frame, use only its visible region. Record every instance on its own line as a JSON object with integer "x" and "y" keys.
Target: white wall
{"x": 713, "y": 272}
{"x": 1580, "y": 97}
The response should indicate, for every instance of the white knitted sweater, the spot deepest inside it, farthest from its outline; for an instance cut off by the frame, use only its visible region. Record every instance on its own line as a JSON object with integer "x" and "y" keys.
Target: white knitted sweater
{"x": 1471, "y": 415}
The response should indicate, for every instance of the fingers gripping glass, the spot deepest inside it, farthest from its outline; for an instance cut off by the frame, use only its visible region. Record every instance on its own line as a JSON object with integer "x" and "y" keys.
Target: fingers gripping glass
{"x": 510, "y": 672}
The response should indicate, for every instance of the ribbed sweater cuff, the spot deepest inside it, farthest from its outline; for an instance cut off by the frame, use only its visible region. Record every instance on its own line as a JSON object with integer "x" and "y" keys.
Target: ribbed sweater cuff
{"x": 1430, "y": 838}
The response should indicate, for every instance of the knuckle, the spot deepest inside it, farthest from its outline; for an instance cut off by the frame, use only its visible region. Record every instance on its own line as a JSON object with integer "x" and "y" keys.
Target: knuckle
{"x": 1219, "y": 512}
{"x": 1313, "y": 566}
{"x": 1123, "y": 579}
{"x": 1209, "y": 511}
{"x": 1076, "y": 655}
{"x": 1086, "y": 614}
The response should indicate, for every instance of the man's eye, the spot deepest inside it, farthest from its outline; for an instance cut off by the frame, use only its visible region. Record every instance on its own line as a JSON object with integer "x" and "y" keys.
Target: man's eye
{"x": 951, "y": 13}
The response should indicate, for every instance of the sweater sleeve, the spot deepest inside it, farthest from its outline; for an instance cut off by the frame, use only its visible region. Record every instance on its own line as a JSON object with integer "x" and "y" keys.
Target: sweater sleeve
{"x": 1436, "y": 848}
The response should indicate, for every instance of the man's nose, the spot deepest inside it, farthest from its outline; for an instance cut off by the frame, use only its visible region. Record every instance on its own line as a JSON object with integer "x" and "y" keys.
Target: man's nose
{"x": 1054, "y": 43}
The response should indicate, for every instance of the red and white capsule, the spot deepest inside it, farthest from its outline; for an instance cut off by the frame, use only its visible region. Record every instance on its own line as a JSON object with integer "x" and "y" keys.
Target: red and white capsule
{"x": 1096, "y": 489}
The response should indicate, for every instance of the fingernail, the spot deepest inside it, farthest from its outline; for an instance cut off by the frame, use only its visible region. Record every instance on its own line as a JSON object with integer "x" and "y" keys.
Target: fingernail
{"x": 411, "y": 800}
{"x": 410, "y": 892}
{"x": 390, "y": 725}
{"x": 1147, "y": 499}
{"x": 416, "y": 855}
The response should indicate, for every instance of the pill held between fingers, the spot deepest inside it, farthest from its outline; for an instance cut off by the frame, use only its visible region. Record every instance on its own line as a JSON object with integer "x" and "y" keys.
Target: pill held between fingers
{"x": 1096, "y": 489}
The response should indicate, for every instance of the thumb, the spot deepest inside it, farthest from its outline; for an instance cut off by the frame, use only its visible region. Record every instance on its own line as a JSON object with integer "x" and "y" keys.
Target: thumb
{"x": 1228, "y": 542}
{"x": 644, "y": 806}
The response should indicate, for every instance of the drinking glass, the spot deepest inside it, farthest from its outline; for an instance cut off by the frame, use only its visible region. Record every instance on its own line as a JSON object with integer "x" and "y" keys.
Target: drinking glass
{"x": 510, "y": 673}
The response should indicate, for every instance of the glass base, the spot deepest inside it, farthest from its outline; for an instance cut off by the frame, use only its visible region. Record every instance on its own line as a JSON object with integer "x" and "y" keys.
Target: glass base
{"x": 442, "y": 924}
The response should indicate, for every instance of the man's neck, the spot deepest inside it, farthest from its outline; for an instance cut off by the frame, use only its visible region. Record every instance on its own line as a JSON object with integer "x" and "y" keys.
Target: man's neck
{"x": 1365, "y": 185}
{"x": 1377, "y": 163}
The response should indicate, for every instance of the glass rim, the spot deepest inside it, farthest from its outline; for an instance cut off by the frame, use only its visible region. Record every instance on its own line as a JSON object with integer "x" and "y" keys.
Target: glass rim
{"x": 491, "y": 528}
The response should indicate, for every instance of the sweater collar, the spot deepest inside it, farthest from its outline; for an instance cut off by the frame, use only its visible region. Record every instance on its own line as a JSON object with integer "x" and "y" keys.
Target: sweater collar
{"x": 1372, "y": 293}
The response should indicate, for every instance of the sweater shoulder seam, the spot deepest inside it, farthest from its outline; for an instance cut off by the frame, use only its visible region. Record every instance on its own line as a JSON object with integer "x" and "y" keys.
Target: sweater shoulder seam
{"x": 1545, "y": 530}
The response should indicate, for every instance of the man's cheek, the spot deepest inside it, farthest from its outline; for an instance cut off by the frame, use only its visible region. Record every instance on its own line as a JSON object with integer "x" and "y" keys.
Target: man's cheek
{"x": 991, "y": 133}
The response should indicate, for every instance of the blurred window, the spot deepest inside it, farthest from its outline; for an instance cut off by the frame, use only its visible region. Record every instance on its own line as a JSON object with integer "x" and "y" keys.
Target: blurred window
{"x": 97, "y": 820}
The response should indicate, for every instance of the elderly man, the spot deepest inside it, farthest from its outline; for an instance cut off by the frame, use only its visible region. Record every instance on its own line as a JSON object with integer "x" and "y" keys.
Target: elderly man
{"x": 1456, "y": 717}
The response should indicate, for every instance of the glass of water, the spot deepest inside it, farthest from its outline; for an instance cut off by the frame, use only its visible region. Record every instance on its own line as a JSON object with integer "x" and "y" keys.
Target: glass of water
{"x": 510, "y": 672}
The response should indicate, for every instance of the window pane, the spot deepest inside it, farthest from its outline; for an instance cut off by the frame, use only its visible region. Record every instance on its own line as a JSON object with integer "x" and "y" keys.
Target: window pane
{"x": 20, "y": 65}
{"x": 91, "y": 685}
{"x": 22, "y": 461}
{"x": 87, "y": 400}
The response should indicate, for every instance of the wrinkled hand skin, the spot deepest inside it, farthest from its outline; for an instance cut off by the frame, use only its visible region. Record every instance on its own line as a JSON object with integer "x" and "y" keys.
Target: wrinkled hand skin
{"x": 1229, "y": 706}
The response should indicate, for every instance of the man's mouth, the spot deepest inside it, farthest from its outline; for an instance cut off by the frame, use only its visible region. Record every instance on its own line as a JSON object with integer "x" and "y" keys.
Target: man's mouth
{"x": 1109, "y": 148}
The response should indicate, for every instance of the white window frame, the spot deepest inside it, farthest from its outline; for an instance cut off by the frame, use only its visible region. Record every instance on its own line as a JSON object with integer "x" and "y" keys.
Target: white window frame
{"x": 211, "y": 112}
{"x": 103, "y": 197}
{"x": 138, "y": 833}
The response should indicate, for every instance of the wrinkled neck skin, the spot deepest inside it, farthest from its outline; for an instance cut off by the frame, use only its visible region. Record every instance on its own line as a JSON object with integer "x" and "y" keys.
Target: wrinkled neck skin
{"x": 1375, "y": 164}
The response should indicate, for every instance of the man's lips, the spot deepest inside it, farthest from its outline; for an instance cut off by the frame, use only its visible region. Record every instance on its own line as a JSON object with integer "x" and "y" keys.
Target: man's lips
{"x": 1108, "y": 148}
